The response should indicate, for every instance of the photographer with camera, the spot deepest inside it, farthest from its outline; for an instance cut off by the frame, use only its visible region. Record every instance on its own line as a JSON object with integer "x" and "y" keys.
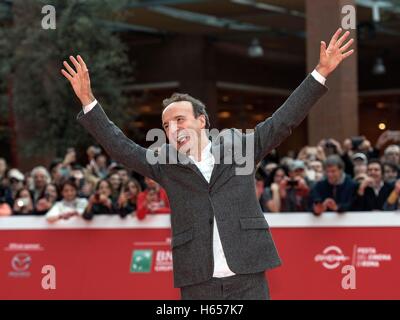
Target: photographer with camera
{"x": 336, "y": 191}
{"x": 23, "y": 203}
{"x": 127, "y": 201}
{"x": 101, "y": 201}
{"x": 294, "y": 190}
{"x": 48, "y": 200}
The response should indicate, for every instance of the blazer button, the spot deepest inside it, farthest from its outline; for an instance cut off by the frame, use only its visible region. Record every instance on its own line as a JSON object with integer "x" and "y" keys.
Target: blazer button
{"x": 211, "y": 220}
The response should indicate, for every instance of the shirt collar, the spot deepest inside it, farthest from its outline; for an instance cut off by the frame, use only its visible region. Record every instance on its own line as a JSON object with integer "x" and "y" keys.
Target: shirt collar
{"x": 205, "y": 153}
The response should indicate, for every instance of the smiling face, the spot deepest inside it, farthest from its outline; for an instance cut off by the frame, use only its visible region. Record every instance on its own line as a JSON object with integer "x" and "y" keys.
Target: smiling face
{"x": 375, "y": 171}
{"x": 183, "y": 129}
{"x": 68, "y": 192}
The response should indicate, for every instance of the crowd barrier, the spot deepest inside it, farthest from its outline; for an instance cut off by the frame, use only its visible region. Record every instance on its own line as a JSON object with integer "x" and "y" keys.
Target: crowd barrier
{"x": 334, "y": 256}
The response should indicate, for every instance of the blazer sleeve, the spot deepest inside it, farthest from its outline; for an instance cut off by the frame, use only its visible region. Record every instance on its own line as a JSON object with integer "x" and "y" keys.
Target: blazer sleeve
{"x": 275, "y": 129}
{"x": 117, "y": 145}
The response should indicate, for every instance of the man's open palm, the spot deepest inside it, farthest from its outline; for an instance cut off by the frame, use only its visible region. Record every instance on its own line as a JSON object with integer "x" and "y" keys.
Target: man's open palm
{"x": 336, "y": 52}
{"x": 79, "y": 79}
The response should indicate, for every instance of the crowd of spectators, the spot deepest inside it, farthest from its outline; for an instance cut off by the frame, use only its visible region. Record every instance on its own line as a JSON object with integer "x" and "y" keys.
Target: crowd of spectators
{"x": 67, "y": 188}
{"x": 352, "y": 176}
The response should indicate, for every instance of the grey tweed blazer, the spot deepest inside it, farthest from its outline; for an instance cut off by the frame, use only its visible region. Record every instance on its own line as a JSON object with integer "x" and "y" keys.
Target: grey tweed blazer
{"x": 231, "y": 198}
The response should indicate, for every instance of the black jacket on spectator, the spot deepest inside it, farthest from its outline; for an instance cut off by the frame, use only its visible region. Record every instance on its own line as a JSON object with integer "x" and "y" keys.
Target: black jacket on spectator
{"x": 370, "y": 201}
{"x": 98, "y": 208}
{"x": 343, "y": 194}
{"x": 127, "y": 209}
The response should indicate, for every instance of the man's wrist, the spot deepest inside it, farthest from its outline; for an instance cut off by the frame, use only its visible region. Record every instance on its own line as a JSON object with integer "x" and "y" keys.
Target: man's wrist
{"x": 87, "y": 100}
{"x": 322, "y": 71}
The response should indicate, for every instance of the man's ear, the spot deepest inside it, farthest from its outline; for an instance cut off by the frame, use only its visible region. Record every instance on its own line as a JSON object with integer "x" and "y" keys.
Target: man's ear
{"x": 202, "y": 119}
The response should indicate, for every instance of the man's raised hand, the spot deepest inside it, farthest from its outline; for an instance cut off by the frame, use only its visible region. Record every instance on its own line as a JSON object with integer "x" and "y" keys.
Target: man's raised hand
{"x": 79, "y": 79}
{"x": 336, "y": 52}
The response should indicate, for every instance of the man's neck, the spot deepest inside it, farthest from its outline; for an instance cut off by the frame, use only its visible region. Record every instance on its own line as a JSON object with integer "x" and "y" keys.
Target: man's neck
{"x": 197, "y": 152}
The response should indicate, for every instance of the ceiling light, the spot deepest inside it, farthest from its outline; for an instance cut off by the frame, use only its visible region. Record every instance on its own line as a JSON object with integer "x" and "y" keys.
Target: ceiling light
{"x": 255, "y": 50}
{"x": 379, "y": 67}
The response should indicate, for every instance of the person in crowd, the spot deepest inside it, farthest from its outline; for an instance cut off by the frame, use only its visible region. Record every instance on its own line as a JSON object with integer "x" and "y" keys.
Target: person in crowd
{"x": 373, "y": 191}
{"x": 77, "y": 174}
{"x": 315, "y": 171}
{"x": 115, "y": 182}
{"x": 359, "y": 163}
{"x": 23, "y": 204}
{"x": 330, "y": 147}
{"x": 15, "y": 182}
{"x": 101, "y": 202}
{"x": 269, "y": 167}
{"x": 260, "y": 187}
{"x": 5, "y": 208}
{"x": 124, "y": 175}
{"x": 336, "y": 191}
{"x": 91, "y": 153}
{"x": 3, "y": 168}
{"x": 392, "y": 154}
{"x": 41, "y": 178}
{"x": 56, "y": 172}
{"x": 311, "y": 153}
{"x": 98, "y": 166}
{"x": 69, "y": 206}
{"x": 390, "y": 172}
{"x": 127, "y": 201}
{"x": 271, "y": 200}
{"x": 392, "y": 203}
{"x": 89, "y": 185}
{"x": 294, "y": 190}
{"x": 152, "y": 200}
{"x": 48, "y": 200}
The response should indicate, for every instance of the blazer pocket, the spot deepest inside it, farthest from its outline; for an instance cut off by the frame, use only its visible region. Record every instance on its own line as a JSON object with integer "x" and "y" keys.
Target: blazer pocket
{"x": 254, "y": 223}
{"x": 182, "y": 238}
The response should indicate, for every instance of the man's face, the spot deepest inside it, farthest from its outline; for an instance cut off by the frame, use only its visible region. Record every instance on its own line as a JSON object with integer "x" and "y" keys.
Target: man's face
{"x": 115, "y": 181}
{"x": 182, "y": 128}
{"x": 40, "y": 180}
{"x": 317, "y": 166}
{"x": 390, "y": 175}
{"x": 333, "y": 174}
{"x": 374, "y": 171}
{"x": 359, "y": 168}
{"x": 393, "y": 156}
{"x": 101, "y": 161}
{"x": 123, "y": 174}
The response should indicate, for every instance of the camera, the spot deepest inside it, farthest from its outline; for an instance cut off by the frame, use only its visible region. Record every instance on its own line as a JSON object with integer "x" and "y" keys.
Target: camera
{"x": 22, "y": 202}
{"x": 356, "y": 142}
{"x": 293, "y": 183}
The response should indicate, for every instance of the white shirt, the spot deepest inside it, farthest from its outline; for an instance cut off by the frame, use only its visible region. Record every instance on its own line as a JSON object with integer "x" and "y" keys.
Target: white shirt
{"x": 206, "y": 166}
{"x": 60, "y": 207}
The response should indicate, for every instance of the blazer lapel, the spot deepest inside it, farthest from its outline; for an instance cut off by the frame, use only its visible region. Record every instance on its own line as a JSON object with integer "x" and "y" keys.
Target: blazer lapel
{"x": 185, "y": 162}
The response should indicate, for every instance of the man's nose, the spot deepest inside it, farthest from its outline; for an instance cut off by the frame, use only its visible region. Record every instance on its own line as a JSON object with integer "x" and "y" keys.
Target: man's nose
{"x": 172, "y": 126}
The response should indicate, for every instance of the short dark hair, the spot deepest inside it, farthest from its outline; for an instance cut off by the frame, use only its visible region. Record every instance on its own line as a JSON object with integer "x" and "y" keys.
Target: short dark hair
{"x": 377, "y": 161}
{"x": 198, "y": 107}
{"x": 69, "y": 182}
{"x": 392, "y": 166}
{"x": 334, "y": 160}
